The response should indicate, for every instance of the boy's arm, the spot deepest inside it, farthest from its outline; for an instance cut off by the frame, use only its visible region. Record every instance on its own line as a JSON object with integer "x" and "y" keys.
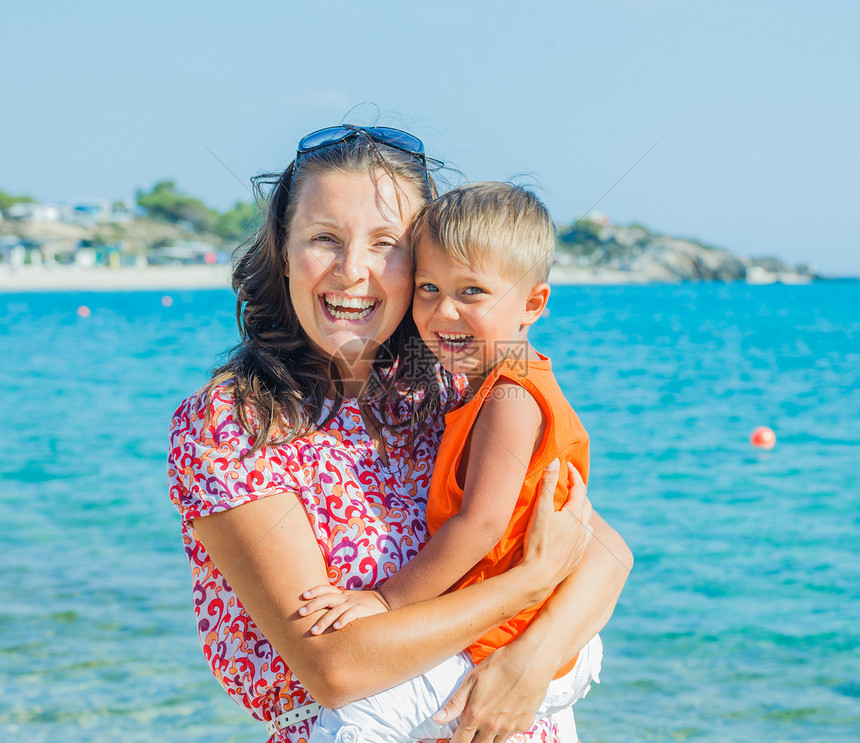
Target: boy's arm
{"x": 503, "y": 439}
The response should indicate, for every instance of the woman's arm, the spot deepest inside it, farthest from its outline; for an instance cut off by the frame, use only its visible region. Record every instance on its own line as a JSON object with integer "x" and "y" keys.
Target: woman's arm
{"x": 267, "y": 552}
{"x": 503, "y": 693}
{"x": 584, "y": 602}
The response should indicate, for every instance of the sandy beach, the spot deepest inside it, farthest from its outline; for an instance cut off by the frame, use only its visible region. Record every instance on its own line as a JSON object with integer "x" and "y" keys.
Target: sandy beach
{"x": 154, "y": 278}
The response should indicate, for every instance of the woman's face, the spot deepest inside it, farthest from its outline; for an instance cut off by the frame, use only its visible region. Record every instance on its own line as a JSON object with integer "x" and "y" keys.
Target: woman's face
{"x": 350, "y": 265}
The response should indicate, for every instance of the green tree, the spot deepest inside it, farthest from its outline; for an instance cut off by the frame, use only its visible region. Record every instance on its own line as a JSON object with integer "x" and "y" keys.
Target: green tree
{"x": 582, "y": 232}
{"x": 7, "y": 200}
{"x": 165, "y": 202}
{"x": 236, "y": 223}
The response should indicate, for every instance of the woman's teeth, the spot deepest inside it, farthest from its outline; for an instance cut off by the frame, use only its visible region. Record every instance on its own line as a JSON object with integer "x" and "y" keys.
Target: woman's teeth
{"x": 349, "y": 308}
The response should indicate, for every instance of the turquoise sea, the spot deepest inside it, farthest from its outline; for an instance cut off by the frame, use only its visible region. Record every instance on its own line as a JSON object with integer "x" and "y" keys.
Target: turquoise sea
{"x": 741, "y": 621}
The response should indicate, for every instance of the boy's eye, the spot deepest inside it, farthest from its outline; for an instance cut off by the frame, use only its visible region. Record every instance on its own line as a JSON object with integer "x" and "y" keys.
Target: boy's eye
{"x": 473, "y": 290}
{"x": 428, "y": 287}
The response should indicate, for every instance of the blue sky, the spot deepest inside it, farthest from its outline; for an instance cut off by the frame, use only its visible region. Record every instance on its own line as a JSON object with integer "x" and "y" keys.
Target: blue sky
{"x": 754, "y": 105}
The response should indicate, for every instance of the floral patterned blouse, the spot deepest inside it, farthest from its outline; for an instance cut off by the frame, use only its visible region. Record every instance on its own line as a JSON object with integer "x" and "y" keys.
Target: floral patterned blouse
{"x": 368, "y": 518}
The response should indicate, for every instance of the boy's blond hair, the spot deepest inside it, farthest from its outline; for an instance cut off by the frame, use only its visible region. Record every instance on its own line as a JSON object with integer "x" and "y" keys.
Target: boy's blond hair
{"x": 491, "y": 225}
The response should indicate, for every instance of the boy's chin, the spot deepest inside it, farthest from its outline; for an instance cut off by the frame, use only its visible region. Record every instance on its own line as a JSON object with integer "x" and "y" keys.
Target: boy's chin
{"x": 468, "y": 368}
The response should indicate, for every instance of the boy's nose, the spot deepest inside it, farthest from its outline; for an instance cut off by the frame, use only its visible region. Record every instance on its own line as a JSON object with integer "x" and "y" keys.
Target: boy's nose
{"x": 447, "y": 309}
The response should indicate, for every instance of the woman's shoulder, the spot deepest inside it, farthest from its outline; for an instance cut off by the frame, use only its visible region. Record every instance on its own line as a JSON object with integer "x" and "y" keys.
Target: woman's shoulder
{"x": 212, "y": 462}
{"x": 206, "y": 411}
{"x": 215, "y": 413}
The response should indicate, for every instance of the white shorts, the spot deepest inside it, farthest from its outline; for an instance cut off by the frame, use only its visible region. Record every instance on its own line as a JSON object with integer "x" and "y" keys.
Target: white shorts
{"x": 403, "y": 714}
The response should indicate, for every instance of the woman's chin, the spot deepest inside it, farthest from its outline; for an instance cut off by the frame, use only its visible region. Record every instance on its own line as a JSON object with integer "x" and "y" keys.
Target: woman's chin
{"x": 351, "y": 346}
{"x": 352, "y": 353}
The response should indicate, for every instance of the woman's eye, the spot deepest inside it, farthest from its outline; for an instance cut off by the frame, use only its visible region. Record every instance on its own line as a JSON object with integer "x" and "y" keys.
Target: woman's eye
{"x": 473, "y": 290}
{"x": 323, "y": 239}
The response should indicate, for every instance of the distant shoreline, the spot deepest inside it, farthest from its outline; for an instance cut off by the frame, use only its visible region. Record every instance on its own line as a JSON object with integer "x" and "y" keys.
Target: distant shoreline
{"x": 155, "y": 278}
{"x": 152, "y": 278}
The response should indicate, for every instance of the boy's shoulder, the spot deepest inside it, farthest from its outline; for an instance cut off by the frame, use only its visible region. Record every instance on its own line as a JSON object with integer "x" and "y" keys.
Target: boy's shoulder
{"x": 534, "y": 375}
{"x": 509, "y": 407}
{"x": 507, "y": 388}
{"x": 537, "y": 379}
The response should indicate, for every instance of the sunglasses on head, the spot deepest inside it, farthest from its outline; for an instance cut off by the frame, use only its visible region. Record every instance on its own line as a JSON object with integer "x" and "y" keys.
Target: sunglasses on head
{"x": 333, "y": 135}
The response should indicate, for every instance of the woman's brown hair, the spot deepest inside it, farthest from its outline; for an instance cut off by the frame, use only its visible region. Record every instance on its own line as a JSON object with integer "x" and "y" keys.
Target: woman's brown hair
{"x": 279, "y": 380}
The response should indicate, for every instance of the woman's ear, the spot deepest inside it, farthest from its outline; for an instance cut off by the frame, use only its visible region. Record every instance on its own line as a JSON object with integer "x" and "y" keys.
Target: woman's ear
{"x": 536, "y": 301}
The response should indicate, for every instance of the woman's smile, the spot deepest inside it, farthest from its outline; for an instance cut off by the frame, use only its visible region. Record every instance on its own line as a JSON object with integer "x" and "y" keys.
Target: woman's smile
{"x": 353, "y": 309}
{"x": 349, "y": 264}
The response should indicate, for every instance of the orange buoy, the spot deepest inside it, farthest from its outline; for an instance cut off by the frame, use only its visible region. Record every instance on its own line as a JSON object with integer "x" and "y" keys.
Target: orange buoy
{"x": 763, "y": 438}
{"x": 167, "y": 301}
{"x": 545, "y": 312}
{"x": 84, "y": 311}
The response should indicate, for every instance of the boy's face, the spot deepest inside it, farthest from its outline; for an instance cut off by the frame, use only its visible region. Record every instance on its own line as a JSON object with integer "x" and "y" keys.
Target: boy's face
{"x": 470, "y": 317}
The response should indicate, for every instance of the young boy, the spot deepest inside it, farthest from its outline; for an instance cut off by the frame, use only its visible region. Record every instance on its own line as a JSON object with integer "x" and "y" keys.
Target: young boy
{"x": 482, "y": 257}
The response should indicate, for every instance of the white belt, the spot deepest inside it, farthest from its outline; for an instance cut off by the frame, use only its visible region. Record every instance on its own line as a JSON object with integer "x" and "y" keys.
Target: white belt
{"x": 292, "y": 717}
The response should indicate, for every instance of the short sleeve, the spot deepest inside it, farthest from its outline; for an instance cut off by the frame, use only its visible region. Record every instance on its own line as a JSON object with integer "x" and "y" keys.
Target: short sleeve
{"x": 208, "y": 468}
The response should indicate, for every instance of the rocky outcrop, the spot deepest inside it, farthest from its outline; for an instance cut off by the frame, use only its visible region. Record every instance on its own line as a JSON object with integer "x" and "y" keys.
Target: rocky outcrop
{"x": 635, "y": 254}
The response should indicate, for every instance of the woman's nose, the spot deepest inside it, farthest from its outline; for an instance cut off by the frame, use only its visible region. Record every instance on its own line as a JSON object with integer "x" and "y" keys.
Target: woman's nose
{"x": 353, "y": 264}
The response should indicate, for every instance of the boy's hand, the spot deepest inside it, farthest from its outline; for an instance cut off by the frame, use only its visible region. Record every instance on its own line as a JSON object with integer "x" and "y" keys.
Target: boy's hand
{"x": 342, "y": 606}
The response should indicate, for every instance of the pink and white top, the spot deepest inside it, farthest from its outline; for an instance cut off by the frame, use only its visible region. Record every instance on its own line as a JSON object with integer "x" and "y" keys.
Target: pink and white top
{"x": 368, "y": 518}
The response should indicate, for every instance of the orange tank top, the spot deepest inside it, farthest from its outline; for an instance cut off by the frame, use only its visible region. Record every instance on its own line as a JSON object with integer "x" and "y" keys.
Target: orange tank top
{"x": 564, "y": 437}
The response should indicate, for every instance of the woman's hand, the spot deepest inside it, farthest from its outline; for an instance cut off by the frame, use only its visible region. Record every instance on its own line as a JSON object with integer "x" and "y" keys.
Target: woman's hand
{"x": 501, "y": 696}
{"x": 342, "y": 606}
{"x": 555, "y": 541}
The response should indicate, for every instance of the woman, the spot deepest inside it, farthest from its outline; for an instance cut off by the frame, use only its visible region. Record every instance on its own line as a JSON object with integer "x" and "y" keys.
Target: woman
{"x": 329, "y": 403}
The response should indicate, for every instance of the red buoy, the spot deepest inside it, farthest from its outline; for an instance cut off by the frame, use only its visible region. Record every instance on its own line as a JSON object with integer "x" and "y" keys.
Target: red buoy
{"x": 84, "y": 311}
{"x": 763, "y": 438}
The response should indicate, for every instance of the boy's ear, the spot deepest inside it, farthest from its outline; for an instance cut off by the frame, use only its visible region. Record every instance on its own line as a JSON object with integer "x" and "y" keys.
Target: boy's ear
{"x": 536, "y": 301}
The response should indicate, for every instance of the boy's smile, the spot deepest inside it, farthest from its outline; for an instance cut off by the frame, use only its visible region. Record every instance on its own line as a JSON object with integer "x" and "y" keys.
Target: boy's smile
{"x": 470, "y": 317}
{"x": 454, "y": 342}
